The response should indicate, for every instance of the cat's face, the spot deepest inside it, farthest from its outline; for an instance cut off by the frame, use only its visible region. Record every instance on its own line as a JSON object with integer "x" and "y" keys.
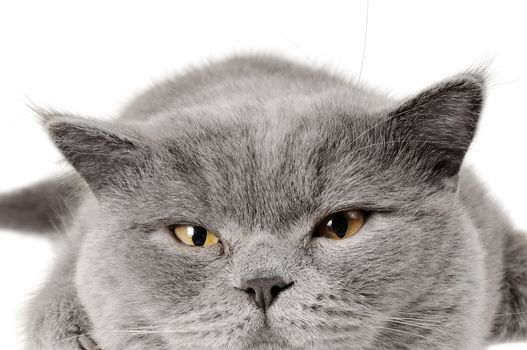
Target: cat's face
{"x": 408, "y": 277}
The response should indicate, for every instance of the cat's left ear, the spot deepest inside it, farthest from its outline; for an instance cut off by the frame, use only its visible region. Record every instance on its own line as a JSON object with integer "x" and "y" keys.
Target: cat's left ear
{"x": 437, "y": 126}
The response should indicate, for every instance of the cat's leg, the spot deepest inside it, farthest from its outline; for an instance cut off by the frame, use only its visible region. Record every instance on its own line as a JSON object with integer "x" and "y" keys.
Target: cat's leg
{"x": 57, "y": 320}
{"x": 510, "y": 322}
{"x": 87, "y": 343}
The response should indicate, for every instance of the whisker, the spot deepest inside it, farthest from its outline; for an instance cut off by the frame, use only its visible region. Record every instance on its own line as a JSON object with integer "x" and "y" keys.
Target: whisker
{"x": 400, "y": 331}
{"x": 296, "y": 47}
{"x": 365, "y": 40}
{"x": 379, "y": 123}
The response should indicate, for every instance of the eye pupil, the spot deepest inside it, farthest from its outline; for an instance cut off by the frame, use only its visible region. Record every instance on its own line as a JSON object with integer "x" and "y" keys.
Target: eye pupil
{"x": 339, "y": 225}
{"x": 199, "y": 236}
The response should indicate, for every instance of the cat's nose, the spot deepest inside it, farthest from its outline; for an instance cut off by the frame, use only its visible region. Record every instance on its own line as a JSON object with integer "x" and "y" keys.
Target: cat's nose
{"x": 264, "y": 290}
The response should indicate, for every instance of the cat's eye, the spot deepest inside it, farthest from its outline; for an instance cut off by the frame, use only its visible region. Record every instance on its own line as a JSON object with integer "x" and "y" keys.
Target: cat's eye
{"x": 195, "y": 235}
{"x": 341, "y": 225}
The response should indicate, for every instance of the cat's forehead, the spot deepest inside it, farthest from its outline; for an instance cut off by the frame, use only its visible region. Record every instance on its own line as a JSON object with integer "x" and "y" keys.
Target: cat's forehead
{"x": 291, "y": 124}
{"x": 271, "y": 147}
{"x": 262, "y": 171}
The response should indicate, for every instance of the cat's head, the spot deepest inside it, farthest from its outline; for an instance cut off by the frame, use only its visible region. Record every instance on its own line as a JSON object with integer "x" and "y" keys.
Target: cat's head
{"x": 315, "y": 224}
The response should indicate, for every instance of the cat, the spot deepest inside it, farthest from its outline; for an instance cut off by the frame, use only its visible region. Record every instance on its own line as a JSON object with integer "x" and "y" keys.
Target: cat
{"x": 259, "y": 203}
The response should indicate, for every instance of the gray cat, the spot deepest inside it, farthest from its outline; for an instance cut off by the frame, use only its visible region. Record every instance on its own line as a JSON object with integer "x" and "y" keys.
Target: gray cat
{"x": 256, "y": 203}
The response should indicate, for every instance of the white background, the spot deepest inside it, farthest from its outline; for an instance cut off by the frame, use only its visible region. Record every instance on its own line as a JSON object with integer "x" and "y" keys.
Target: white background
{"x": 93, "y": 56}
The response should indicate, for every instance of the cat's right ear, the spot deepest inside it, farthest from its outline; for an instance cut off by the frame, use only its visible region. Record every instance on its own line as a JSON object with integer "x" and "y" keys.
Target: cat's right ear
{"x": 106, "y": 154}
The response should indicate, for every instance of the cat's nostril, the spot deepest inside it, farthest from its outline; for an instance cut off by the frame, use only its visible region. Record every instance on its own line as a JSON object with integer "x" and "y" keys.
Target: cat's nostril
{"x": 275, "y": 290}
{"x": 264, "y": 290}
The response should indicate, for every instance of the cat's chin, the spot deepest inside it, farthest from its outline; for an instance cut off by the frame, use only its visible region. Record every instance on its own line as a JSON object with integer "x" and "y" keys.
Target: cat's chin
{"x": 270, "y": 331}
{"x": 267, "y": 338}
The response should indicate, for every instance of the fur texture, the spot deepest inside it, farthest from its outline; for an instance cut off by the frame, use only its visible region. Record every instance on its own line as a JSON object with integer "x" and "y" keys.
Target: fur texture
{"x": 259, "y": 149}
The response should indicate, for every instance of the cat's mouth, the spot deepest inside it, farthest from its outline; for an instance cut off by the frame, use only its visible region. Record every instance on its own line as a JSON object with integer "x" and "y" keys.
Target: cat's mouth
{"x": 269, "y": 332}
{"x": 266, "y": 338}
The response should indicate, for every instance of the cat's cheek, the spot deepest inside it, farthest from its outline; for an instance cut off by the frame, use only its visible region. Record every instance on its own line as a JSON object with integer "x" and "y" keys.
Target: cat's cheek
{"x": 337, "y": 259}
{"x": 368, "y": 266}
{"x": 136, "y": 256}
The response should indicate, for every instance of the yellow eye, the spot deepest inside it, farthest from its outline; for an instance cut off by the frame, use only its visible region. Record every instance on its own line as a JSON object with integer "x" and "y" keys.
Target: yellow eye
{"x": 195, "y": 235}
{"x": 341, "y": 225}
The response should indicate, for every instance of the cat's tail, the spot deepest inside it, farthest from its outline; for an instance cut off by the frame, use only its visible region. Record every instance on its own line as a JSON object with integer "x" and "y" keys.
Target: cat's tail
{"x": 43, "y": 207}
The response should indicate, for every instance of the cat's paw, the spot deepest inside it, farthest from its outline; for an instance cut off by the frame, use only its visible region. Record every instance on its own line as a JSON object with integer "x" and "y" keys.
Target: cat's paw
{"x": 86, "y": 343}
{"x": 61, "y": 339}
{"x": 57, "y": 320}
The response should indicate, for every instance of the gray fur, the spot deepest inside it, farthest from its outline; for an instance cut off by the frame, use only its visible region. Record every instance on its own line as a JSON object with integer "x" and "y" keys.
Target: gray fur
{"x": 43, "y": 207}
{"x": 259, "y": 149}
